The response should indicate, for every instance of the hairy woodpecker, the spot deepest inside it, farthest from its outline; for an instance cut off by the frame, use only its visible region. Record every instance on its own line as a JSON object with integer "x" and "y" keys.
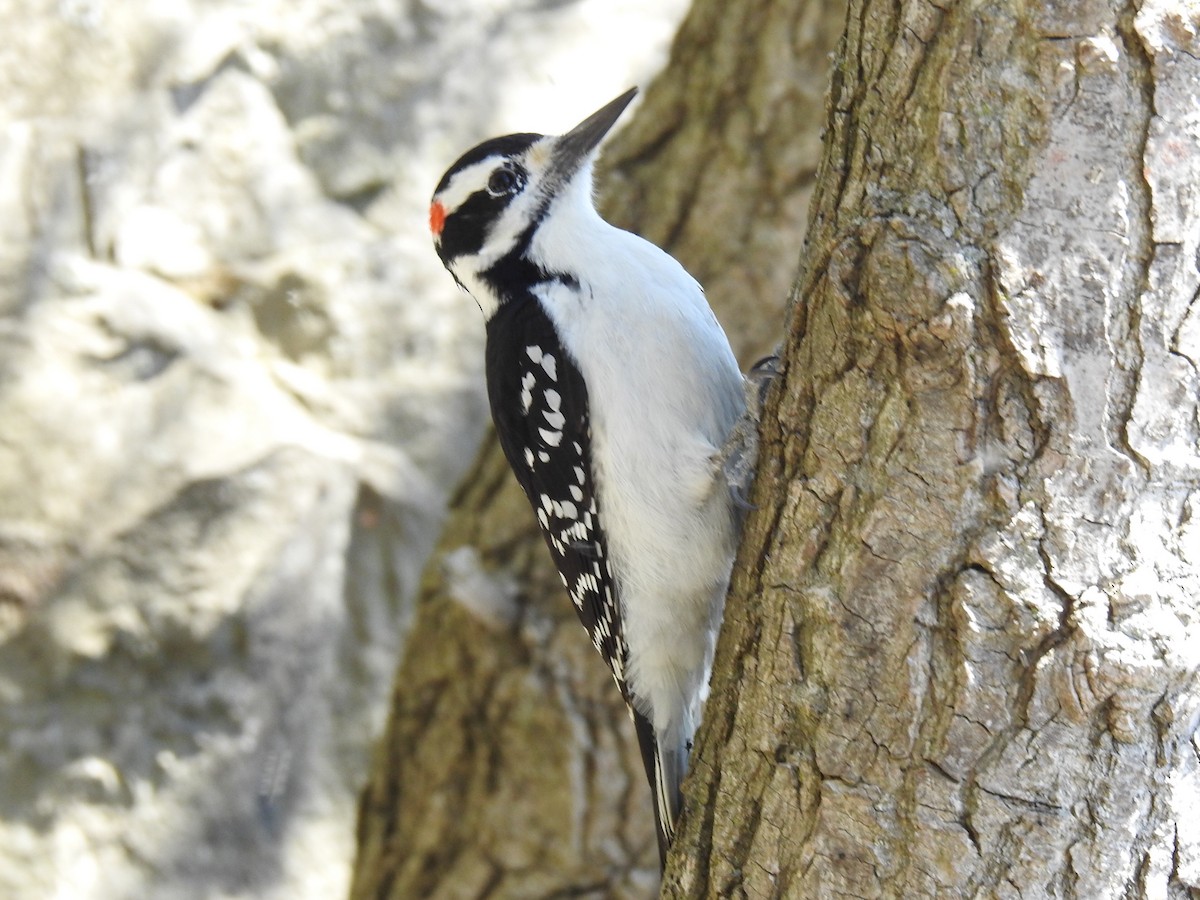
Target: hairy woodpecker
{"x": 613, "y": 389}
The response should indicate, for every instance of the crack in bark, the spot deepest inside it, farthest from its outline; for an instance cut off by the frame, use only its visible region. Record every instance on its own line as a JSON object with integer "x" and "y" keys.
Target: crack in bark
{"x": 1144, "y": 251}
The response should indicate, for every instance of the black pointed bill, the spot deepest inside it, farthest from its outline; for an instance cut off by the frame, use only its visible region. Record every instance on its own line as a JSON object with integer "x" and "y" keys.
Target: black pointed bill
{"x": 572, "y": 150}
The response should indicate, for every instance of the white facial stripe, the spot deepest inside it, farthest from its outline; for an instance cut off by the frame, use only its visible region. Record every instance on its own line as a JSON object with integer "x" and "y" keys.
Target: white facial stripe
{"x": 505, "y": 231}
{"x": 466, "y": 182}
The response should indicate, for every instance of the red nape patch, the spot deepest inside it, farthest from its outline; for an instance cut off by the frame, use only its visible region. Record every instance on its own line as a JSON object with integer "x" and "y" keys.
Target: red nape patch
{"x": 437, "y": 218}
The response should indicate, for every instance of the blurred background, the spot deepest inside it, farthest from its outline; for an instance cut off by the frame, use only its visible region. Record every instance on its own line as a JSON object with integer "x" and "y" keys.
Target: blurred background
{"x": 236, "y": 387}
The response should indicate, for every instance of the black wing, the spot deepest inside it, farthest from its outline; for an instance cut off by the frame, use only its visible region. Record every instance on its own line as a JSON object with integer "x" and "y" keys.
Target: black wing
{"x": 539, "y": 404}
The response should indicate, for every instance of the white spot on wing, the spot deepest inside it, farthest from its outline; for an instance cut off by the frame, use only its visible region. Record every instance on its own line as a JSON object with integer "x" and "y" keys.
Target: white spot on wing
{"x": 527, "y": 382}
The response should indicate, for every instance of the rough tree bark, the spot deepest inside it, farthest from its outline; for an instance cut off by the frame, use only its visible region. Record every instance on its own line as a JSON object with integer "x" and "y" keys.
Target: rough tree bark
{"x": 508, "y": 768}
{"x": 960, "y": 655}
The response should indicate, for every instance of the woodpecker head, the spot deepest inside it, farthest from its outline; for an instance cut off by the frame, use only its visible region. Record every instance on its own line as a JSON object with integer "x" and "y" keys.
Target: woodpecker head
{"x": 489, "y": 205}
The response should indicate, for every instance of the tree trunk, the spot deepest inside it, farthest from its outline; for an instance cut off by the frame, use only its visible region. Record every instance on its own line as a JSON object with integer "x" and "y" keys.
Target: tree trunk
{"x": 960, "y": 655}
{"x": 509, "y": 767}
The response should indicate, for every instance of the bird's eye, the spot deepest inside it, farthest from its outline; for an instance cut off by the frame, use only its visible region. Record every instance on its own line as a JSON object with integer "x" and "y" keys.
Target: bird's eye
{"x": 503, "y": 182}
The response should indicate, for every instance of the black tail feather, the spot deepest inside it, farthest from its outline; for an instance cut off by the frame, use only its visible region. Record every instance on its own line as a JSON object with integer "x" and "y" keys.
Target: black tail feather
{"x": 664, "y": 786}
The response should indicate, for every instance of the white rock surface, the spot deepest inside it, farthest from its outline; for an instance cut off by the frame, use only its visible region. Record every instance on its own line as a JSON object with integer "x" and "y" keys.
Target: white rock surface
{"x": 235, "y": 386}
